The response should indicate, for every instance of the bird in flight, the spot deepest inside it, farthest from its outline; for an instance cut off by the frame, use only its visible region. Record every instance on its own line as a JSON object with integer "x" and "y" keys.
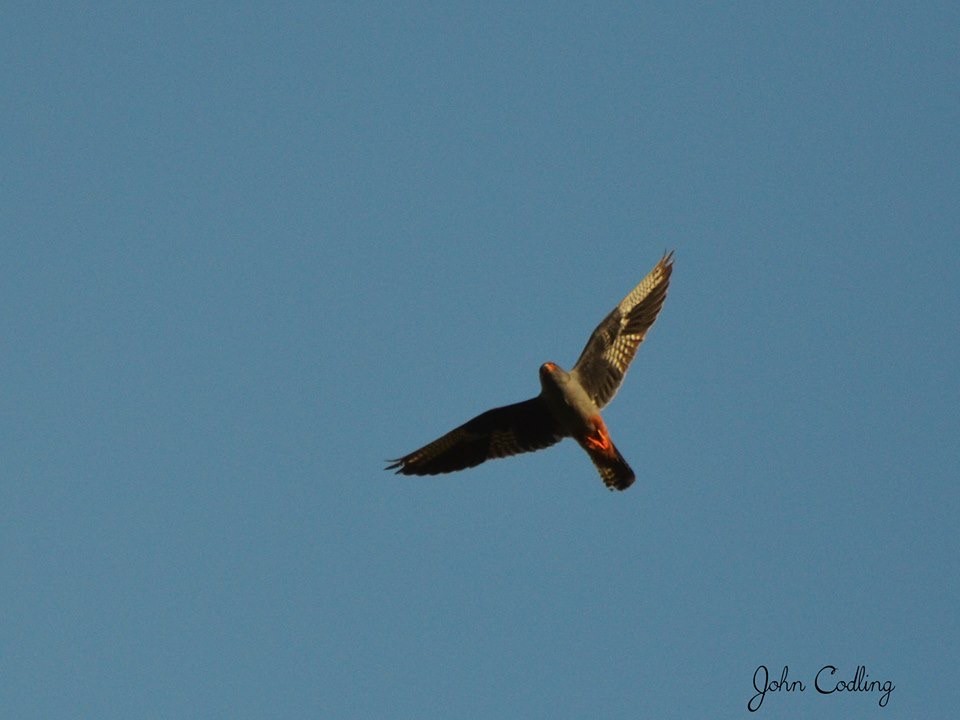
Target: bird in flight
{"x": 569, "y": 403}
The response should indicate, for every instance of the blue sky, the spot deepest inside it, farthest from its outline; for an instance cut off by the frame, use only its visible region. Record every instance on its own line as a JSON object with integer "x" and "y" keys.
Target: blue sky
{"x": 252, "y": 251}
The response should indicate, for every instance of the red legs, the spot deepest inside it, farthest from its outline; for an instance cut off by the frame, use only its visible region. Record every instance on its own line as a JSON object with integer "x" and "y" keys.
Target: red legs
{"x": 600, "y": 439}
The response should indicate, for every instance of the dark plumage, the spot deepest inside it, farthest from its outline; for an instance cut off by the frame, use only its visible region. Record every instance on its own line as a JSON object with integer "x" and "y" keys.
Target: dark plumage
{"x": 503, "y": 431}
{"x": 568, "y": 404}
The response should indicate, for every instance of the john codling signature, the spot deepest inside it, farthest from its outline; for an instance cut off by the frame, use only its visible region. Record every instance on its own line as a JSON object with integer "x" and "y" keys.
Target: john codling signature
{"x": 825, "y": 682}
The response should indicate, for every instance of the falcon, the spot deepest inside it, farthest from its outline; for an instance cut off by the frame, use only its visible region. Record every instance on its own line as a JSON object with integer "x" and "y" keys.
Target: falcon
{"x": 569, "y": 403}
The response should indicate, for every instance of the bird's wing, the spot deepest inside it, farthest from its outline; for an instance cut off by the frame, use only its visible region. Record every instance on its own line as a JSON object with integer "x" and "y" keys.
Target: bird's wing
{"x": 607, "y": 355}
{"x": 509, "y": 430}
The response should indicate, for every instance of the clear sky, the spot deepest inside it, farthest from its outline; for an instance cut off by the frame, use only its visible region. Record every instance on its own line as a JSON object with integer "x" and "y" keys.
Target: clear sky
{"x": 252, "y": 251}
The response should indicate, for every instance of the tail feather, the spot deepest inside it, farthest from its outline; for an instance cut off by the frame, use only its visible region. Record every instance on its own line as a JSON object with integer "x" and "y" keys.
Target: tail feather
{"x": 616, "y": 474}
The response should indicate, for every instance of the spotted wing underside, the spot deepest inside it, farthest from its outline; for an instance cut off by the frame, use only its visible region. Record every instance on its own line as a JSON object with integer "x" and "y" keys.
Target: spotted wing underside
{"x": 501, "y": 432}
{"x": 613, "y": 344}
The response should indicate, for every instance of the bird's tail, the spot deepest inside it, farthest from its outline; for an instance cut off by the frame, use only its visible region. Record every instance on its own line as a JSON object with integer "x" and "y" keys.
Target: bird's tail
{"x": 614, "y": 470}
{"x": 616, "y": 474}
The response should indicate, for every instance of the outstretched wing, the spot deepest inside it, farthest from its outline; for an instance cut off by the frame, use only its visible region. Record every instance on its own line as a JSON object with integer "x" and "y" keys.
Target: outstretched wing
{"x": 611, "y": 347}
{"x": 509, "y": 430}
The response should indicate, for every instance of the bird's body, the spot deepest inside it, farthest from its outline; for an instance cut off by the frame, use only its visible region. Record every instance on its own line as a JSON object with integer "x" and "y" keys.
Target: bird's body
{"x": 576, "y": 415}
{"x": 569, "y": 403}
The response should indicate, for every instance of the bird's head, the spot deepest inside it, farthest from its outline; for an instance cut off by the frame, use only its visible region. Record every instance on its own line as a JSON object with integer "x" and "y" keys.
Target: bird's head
{"x": 553, "y": 374}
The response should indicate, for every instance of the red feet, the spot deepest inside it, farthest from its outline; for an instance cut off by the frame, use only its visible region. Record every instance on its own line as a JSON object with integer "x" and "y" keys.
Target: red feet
{"x": 600, "y": 438}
